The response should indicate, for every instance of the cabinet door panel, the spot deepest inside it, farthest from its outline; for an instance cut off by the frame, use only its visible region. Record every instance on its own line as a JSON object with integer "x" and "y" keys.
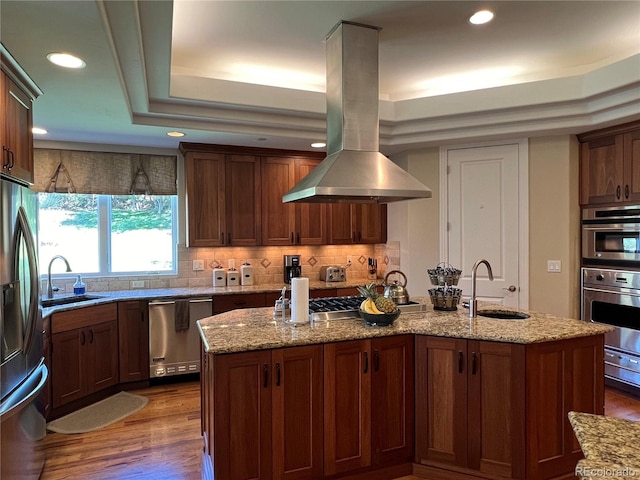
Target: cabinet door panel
{"x": 340, "y": 223}
{"x": 205, "y": 192}
{"x": 133, "y": 341}
{"x": 67, "y": 366}
{"x": 372, "y": 223}
{"x": 392, "y": 399}
{"x": 441, "y": 400}
{"x": 632, "y": 166}
{"x": 242, "y": 405}
{"x": 496, "y": 406}
{"x": 103, "y": 355}
{"x": 297, "y": 413}
{"x": 347, "y": 383}
{"x": 311, "y": 218}
{"x": 601, "y": 166}
{"x": 278, "y": 219}
{"x": 18, "y": 135}
{"x": 243, "y": 200}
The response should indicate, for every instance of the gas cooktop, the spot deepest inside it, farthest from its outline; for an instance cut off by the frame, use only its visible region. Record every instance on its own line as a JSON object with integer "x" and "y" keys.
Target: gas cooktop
{"x": 334, "y": 308}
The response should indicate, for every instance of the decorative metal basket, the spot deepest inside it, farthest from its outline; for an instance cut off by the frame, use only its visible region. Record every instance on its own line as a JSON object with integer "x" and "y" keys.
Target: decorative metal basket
{"x": 444, "y": 274}
{"x": 445, "y": 298}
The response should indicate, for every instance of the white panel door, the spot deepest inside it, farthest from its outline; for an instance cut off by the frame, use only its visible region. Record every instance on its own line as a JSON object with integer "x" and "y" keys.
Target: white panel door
{"x": 483, "y": 219}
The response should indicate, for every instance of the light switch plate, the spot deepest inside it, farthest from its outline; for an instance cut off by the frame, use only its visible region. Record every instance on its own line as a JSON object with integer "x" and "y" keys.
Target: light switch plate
{"x": 554, "y": 266}
{"x": 198, "y": 265}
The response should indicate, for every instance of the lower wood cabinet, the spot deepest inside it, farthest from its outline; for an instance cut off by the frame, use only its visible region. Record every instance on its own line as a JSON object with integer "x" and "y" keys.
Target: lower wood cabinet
{"x": 133, "y": 340}
{"x": 499, "y": 410}
{"x": 369, "y": 403}
{"x": 264, "y": 414}
{"x": 84, "y": 352}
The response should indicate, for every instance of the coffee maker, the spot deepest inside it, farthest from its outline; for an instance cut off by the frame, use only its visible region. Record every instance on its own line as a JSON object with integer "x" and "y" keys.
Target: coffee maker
{"x": 292, "y": 267}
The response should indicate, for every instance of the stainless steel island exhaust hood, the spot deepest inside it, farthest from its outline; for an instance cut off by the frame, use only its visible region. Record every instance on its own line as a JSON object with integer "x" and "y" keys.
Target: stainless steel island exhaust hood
{"x": 354, "y": 171}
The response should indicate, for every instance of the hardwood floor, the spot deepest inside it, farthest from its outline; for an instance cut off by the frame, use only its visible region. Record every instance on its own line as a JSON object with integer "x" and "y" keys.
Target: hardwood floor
{"x": 162, "y": 441}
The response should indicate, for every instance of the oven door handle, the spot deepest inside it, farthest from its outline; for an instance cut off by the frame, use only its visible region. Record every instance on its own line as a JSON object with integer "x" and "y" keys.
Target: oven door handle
{"x": 622, "y": 367}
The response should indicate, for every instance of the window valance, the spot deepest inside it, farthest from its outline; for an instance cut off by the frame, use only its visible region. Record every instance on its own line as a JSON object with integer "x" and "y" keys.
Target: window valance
{"x": 104, "y": 173}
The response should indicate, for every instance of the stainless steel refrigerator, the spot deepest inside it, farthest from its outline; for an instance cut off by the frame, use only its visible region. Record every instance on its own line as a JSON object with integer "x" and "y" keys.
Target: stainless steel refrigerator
{"x": 23, "y": 373}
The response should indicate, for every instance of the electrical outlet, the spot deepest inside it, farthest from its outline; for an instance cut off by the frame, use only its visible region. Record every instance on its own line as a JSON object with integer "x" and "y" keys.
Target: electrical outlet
{"x": 554, "y": 266}
{"x": 137, "y": 283}
{"x": 198, "y": 265}
{"x": 348, "y": 259}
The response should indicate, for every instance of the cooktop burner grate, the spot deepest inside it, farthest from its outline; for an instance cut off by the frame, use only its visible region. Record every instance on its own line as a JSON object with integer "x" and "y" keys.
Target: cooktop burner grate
{"x": 333, "y": 308}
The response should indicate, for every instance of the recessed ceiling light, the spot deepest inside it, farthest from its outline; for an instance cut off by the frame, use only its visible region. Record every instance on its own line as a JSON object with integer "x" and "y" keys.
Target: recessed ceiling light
{"x": 175, "y": 134}
{"x": 38, "y": 131}
{"x": 66, "y": 60}
{"x": 480, "y": 17}
{"x": 318, "y": 145}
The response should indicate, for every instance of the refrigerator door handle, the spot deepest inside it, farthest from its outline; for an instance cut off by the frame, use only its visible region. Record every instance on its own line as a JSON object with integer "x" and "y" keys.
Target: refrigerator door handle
{"x": 25, "y": 394}
{"x": 34, "y": 301}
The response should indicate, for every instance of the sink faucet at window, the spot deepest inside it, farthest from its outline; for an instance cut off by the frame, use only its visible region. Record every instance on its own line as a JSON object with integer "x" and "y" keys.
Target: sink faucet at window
{"x": 473, "y": 303}
{"x": 50, "y": 287}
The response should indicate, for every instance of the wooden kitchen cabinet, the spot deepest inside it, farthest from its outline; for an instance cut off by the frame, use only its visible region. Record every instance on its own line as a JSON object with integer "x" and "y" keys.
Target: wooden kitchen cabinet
{"x": 17, "y": 93}
{"x": 290, "y": 223}
{"x": 369, "y": 403}
{"x": 45, "y": 396}
{"x": 610, "y": 166}
{"x": 133, "y": 341}
{"x": 84, "y": 350}
{"x": 357, "y": 223}
{"x": 266, "y": 416}
{"x": 223, "y": 199}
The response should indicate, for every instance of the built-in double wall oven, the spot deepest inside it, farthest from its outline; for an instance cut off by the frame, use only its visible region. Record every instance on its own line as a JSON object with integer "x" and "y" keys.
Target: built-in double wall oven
{"x": 611, "y": 287}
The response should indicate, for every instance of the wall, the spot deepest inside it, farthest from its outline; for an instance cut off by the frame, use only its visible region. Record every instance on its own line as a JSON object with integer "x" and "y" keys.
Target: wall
{"x": 414, "y": 224}
{"x": 554, "y": 223}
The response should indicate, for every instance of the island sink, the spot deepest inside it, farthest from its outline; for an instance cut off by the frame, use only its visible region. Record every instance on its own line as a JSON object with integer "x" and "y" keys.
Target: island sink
{"x": 503, "y": 314}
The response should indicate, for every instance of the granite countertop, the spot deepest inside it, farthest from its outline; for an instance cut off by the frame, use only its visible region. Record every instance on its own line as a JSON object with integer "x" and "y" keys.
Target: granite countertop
{"x": 159, "y": 293}
{"x": 255, "y": 329}
{"x": 610, "y": 446}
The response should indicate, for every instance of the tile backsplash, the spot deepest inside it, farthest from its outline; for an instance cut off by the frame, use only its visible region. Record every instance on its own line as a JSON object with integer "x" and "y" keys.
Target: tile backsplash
{"x": 267, "y": 263}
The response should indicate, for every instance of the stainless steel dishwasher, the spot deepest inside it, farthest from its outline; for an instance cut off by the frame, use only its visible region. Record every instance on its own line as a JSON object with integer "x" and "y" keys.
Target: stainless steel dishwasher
{"x": 174, "y": 341}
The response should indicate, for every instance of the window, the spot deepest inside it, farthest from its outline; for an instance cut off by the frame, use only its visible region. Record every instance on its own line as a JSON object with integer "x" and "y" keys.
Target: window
{"x": 108, "y": 234}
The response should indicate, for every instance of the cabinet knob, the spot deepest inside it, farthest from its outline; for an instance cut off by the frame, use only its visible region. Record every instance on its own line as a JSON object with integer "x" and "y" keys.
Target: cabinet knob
{"x": 618, "y": 192}
{"x": 626, "y": 191}
{"x": 265, "y": 373}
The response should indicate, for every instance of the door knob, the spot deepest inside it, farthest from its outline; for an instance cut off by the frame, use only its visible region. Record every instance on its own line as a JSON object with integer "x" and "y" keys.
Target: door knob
{"x": 511, "y": 288}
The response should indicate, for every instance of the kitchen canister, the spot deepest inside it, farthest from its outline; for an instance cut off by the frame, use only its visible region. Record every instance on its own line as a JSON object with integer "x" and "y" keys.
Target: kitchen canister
{"x": 246, "y": 274}
{"x": 219, "y": 277}
{"x": 233, "y": 277}
{"x": 299, "y": 300}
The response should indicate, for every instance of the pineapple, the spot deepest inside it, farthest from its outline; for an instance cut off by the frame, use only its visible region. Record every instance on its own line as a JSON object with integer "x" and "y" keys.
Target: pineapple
{"x": 383, "y": 304}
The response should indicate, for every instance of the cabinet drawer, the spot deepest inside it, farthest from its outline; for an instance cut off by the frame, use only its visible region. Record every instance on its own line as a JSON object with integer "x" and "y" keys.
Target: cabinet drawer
{"x": 225, "y": 303}
{"x": 83, "y": 317}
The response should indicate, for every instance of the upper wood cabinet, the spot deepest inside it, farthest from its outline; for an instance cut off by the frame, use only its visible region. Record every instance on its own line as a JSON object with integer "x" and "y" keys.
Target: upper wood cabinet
{"x": 17, "y": 93}
{"x": 234, "y": 198}
{"x": 290, "y": 223}
{"x": 357, "y": 223}
{"x": 223, "y": 199}
{"x": 610, "y": 166}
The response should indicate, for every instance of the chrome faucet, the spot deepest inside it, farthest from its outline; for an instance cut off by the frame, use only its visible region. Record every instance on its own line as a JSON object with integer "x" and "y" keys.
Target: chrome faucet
{"x": 473, "y": 303}
{"x": 50, "y": 287}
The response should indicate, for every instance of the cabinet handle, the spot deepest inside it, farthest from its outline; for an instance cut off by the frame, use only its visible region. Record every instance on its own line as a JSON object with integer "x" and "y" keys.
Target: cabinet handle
{"x": 82, "y": 338}
{"x": 292, "y": 238}
{"x": 13, "y": 159}
{"x": 366, "y": 362}
{"x": 473, "y": 363}
{"x": 222, "y": 238}
{"x": 354, "y": 237}
{"x": 5, "y": 151}
{"x": 91, "y": 335}
{"x": 460, "y": 362}
{"x": 278, "y": 374}
{"x": 359, "y": 237}
{"x": 298, "y": 238}
{"x": 229, "y": 238}
{"x": 376, "y": 360}
{"x": 618, "y": 192}
{"x": 265, "y": 373}
{"x": 626, "y": 191}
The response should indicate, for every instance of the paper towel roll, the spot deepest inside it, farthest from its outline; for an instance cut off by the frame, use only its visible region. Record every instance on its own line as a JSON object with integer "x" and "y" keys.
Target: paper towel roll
{"x": 300, "y": 300}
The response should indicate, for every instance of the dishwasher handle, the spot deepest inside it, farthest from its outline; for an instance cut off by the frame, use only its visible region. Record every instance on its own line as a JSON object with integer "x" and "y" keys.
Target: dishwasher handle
{"x": 172, "y": 302}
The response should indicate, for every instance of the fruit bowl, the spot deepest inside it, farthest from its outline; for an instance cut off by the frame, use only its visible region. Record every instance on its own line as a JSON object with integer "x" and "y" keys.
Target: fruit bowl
{"x": 379, "y": 319}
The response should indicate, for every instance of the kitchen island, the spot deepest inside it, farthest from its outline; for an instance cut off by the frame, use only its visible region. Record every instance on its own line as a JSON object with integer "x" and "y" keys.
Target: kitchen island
{"x": 436, "y": 394}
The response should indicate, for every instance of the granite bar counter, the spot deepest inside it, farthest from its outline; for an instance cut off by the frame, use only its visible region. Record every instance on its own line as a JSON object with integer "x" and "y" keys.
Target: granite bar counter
{"x": 256, "y": 329}
{"x": 610, "y": 446}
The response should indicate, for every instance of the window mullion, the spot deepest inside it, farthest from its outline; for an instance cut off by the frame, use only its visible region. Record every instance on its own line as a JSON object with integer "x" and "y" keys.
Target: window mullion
{"x": 104, "y": 233}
